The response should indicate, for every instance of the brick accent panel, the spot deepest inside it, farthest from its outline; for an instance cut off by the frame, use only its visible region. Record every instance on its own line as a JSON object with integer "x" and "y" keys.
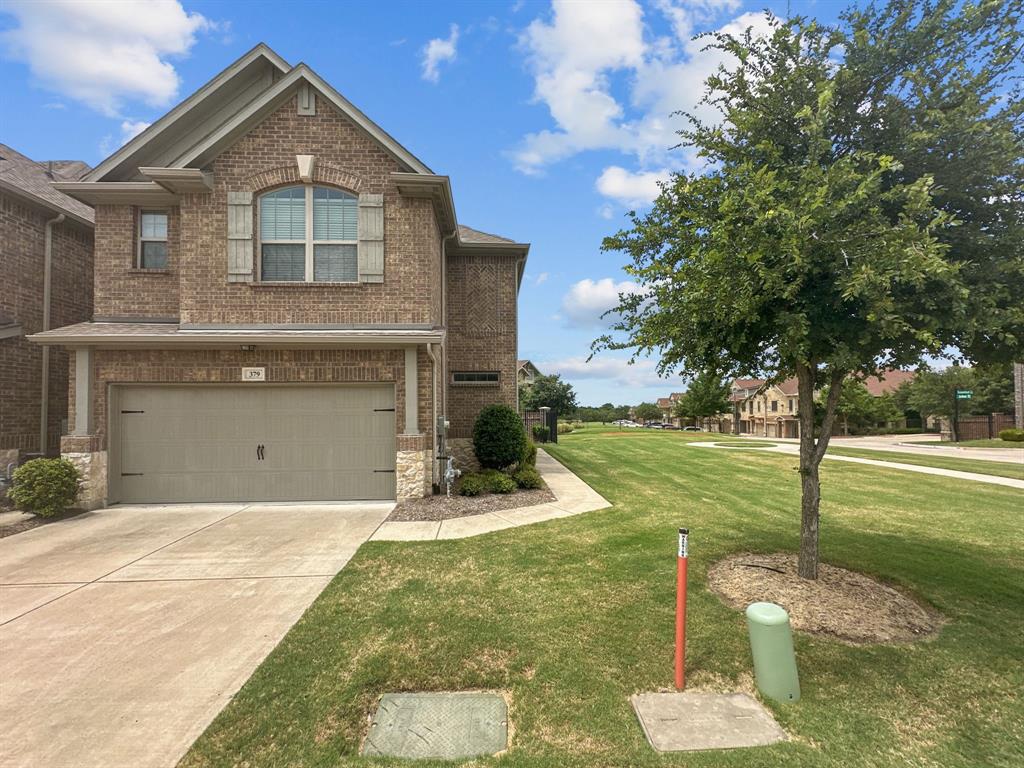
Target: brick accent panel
{"x": 123, "y": 290}
{"x": 22, "y": 236}
{"x": 482, "y": 335}
{"x": 264, "y": 159}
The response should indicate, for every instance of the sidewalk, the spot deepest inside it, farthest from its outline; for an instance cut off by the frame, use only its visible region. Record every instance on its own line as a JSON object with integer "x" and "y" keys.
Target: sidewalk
{"x": 792, "y": 449}
{"x": 572, "y": 497}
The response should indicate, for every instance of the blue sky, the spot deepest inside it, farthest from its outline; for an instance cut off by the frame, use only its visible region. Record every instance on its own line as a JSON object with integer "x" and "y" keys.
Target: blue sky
{"x": 552, "y": 118}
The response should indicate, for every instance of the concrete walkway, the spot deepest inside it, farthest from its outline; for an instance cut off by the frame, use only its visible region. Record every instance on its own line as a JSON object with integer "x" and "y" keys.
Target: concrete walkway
{"x": 124, "y": 632}
{"x": 572, "y": 497}
{"x": 791, "y": 449}
{"x": 920, "y": 445}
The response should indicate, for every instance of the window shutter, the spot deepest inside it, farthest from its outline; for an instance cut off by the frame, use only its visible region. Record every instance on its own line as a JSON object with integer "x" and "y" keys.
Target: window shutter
{"x": 240, "y": 237}
{"x": 371, "y": 238}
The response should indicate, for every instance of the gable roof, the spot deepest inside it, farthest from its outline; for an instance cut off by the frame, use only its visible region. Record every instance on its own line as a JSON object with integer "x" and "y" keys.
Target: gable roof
{"x": 226, "y": 107}
{"x": 33, "y": 180}
{"x": 470, "y": 235}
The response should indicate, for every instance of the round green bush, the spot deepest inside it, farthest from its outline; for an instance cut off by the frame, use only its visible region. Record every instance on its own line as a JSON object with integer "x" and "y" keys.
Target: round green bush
{"x": 528, "y": 478}
{"x": 472, "y": 485}
{"x": 498, "y": 437}
{"x": 502, "y": 484}
{"x": 1012, "y": 435}
{"x": 45, "y": 487}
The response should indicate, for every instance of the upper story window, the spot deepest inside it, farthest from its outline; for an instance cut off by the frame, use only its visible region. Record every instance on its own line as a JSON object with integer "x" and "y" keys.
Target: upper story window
{"x": 309, "y": 234}
{"x": 152, "y": 240}
{"x": 775, "y": 406}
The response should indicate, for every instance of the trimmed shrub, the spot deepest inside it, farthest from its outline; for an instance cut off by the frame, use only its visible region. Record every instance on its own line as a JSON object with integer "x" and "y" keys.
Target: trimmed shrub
{"x": 45, "y": 487}
{"x": 564, "y": 428}
{"x": 528, "y": 478}
{"x": 472, "y": 485}
{"x": 498, "y": 437}
{"x": 540, "y": 433}
{"x": 502, "y": 484}
{"x": 1012, "y": 435}
{"x": 529, "y": 458}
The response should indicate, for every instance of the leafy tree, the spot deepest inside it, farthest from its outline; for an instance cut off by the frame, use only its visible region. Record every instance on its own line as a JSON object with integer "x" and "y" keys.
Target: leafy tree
{"x": 931, "y": 393}
{"x": 706, "y": 397}
{"x": 859, "y": 409}
{"x": 816, "y": 242}
{"x": 549, "y": 391}
{"x": 648, "y": 412}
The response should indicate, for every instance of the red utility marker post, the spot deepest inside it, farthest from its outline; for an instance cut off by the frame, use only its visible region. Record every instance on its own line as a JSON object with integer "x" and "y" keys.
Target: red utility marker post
{"x": 681, "y": 610}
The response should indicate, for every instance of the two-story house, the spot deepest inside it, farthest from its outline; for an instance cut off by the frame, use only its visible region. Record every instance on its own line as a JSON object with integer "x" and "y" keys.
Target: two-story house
{"x": 46, "y": 246}
{"x": 766, "y": 411}
{"x": 286, "y": 307}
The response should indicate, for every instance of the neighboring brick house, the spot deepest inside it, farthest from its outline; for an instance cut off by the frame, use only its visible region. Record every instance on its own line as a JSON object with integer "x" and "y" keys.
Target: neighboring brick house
{"x": 668, "y": 409}
{"x": 44, "y": 236}
{"x": 286, "y": 306}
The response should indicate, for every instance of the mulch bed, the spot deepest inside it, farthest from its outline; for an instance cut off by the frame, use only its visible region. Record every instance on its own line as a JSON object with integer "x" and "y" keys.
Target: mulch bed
{"x": 34, "y": 522}
{"x": 840, "y": 604}
{"x": 443, "y": 508}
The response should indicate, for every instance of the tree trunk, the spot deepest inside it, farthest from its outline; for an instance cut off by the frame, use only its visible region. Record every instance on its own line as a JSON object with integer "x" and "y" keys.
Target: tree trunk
{"x": 811, "y": 453}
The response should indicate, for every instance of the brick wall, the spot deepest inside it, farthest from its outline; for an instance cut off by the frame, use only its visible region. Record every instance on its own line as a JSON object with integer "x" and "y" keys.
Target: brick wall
{"x": 129, "y": 366}
{"x": 482, "y": 334}
{"x": 22, "y": 233}
{"x": 123, "y": 290}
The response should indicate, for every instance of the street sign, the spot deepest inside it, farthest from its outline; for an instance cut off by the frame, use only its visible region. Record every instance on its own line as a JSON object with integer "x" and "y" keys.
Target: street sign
{"x": 964, "y": 394}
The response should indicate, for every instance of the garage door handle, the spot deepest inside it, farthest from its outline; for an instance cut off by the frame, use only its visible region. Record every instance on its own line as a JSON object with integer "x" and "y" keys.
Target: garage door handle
{"x": 388, "y": 471}
{"x": 259, "y": 452}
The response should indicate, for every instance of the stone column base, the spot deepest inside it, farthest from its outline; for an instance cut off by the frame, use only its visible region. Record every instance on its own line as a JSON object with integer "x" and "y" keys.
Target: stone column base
{"x": 412, "y": 474}
{"x": 83, "y": 451}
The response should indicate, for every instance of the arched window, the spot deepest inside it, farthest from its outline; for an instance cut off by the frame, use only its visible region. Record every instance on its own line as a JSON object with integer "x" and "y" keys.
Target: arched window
{"x": 309, "y": 234}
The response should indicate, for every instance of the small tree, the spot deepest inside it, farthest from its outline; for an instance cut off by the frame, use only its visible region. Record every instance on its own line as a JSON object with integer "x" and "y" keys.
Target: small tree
{"x": 550, "y": 392}
{"x": 705, "y": 398}
{"x": 648, "y": 412}
{"x": 816, "y": 242}
{"x": 858, "y": 408}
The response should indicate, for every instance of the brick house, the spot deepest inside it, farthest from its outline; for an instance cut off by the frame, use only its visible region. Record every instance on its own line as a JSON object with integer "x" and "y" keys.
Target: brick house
{"x": 527, "y": 372}
{"x": 46, "y": 245}
{"x": 286, "y": 307}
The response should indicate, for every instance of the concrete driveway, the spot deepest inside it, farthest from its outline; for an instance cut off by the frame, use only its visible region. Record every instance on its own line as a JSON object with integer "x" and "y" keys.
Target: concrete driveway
{"x": 124, "y": 632}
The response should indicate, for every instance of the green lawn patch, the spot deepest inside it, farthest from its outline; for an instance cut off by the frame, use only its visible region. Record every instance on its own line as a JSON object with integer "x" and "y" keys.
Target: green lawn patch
{"x": 979, "y": 466}
{"x": 986, "y": 443}
{"x": 571, "y": 617}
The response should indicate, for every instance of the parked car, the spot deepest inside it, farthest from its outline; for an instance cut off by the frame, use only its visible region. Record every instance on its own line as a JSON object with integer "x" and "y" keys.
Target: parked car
{"x": 691, "y": 429}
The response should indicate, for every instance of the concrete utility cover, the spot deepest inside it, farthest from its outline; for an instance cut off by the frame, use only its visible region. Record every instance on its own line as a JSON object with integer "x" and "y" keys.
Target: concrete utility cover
{"x": 676, "y": 722}
{"x": 439, "y": 725}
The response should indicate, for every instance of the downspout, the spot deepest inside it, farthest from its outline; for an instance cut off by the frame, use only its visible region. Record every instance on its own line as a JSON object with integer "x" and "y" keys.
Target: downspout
{"x": 44, "y": 406}
{"x": 444, "y": 318}
{"x": 435, "y": 469}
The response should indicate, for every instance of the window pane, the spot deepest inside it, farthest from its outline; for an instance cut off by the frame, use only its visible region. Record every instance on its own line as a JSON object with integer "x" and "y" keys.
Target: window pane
{"x": 283, "y": 262}
{"x": 335, "y": 263}
{"x": 335, "y": 215}
{"x": 154, "y": 255}
{"x": 283, "y": 214}
{"x": 154, "y": 225}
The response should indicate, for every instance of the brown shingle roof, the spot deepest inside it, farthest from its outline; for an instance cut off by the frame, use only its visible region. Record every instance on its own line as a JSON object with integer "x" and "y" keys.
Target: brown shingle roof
{"x": 33, "y": 179}
{"x": 470, "y": 235}
{"x": 888, "y": 382}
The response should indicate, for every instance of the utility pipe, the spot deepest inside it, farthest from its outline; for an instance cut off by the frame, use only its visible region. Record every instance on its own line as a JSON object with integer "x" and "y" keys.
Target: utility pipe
{"x": 44, "y": 406}
{"x": 435, "y": 470}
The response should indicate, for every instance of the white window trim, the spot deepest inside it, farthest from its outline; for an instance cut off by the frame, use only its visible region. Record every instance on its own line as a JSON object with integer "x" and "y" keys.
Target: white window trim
{"x": 140, "y": 239}
{"x": 309, "y": 242}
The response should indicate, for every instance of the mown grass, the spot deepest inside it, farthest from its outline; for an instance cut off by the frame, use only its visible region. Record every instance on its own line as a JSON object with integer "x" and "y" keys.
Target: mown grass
{"x": 571, "y": 617}
{"x": 980, "y": 466}
{"x": 982, "y": 443}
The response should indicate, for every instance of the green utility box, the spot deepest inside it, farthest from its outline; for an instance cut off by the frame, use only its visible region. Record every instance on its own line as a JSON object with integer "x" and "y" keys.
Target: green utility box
{"x": 771, "y": 643}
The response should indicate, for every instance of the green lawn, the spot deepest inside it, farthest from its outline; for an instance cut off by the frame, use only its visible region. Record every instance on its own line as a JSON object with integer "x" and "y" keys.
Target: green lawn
{"x": 986, "y": 443}
{"x": 1000, "y": 468}
{"x": 571, "y": 617}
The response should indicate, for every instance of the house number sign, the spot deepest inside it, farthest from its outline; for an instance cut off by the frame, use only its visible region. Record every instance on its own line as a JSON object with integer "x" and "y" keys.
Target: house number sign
{"x": 254, "y": 374}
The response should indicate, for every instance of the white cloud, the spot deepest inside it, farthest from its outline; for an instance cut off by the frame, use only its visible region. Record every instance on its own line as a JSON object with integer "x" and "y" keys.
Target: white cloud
{"x": 615, "y": 371}
{"x": 104, "y": 53}
{"x": 605, "y": 211}
{"x": 541, "y": 278}
{"x": 132, "y": 128}
{"x": 583, "y": 49}
{"x": 587, "y": 300}
{"x": 439, "y": 50}
{"x": 633, "y": 189}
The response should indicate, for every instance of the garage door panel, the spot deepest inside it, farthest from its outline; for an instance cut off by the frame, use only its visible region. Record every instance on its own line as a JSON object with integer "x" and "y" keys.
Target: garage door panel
{"x": 199, "y": 443}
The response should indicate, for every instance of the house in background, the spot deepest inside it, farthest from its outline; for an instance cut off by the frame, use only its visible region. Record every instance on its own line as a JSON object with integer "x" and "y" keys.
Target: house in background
{"x": 286, "y": 306}
{"x": 527, "y": 372}
{"x": 668, "y": 408}
{"x": 46, "y": 255}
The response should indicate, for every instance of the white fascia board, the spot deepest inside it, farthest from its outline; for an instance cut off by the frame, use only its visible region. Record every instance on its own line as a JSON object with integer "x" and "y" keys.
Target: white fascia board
{"x": 180, "y": 180}
{"x": 117, "y": 192}
{"x": 169, "y": 119}
{"x": 273, "y": 97}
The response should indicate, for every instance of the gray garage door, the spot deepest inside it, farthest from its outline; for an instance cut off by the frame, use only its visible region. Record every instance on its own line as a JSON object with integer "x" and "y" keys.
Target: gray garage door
{"x": 252, "y": 443}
